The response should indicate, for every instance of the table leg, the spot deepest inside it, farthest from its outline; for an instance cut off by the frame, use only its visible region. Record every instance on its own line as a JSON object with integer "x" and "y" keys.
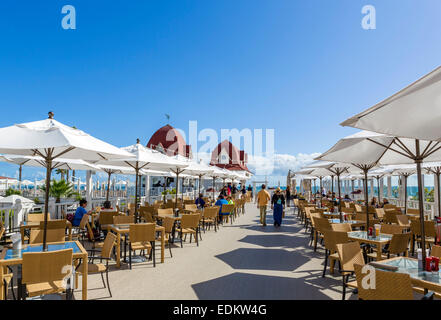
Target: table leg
{"x": 162, "y": 245}
{"x": 2, "y": 272}
{"x": 22, "y": 233}
{"x": 118, "y": 250}
{"x": 379, "y": 252}
{"x": 85, "y": 277}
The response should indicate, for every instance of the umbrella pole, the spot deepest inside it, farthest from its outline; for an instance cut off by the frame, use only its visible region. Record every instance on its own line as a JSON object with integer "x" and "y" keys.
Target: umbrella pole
{"x": 439, "y": 196}
{"x": 136, "y": 193}
{"x": 418, "y": 161}
{"x": 321, "y": 193}
{"x": 177, "y": 185}
{"x": 108, "y": 186}
{"x": 339, "y": 198}
{"x": 378, "y": 186}
{"x": 46, "y": 199}
{"x": 366, "y": 199}
{"x": 213, "y": 187}
{"x": 199, "y": 185}
{"x": 405, "y": 194}
{"x": 332, "y": 185}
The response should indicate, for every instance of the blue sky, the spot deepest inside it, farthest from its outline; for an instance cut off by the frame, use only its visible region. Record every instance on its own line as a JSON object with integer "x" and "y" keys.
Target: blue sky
{"x": 298, "y": 66}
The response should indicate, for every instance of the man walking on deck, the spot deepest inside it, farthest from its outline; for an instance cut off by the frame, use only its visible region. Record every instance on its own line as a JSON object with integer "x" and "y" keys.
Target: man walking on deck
{"x": 262, "y": 201}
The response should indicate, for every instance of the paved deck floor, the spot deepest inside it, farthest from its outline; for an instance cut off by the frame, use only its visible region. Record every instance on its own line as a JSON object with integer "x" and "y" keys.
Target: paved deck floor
{"x": 240, "y": 261}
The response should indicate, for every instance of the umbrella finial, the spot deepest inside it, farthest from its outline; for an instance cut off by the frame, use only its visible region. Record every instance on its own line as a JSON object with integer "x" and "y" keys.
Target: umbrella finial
{"x": 138, "y": 141}
{"x": 50, "y": 115}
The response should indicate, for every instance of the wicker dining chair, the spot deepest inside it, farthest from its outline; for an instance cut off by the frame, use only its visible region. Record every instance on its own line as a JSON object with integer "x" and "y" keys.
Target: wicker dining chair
{"x": 55, "y": 232}
{"x": 105, "y": 254}
{"x": 44, "y": 272}
{"x": 169, "y": 224}
{"x": 119, "y": 219}
{"x": 349, "y": 254}
{"x": 429, "y": 229}
{"x": 226, "y": 212}
{"x": 80, "y": 232}
{"x": 210, "y": 217}
{"x": 435, "y": 251}
{"x": 341, "y": 227}
{"x": 390, "y": 229}
{"x": 321, "y": 225}
{"x": 189, "y": 225}
{"x": 399, "y": 245}
{"x": 332, "y": 239}
{"x": 388, "y": 286}
{"x": 142, "y": 237}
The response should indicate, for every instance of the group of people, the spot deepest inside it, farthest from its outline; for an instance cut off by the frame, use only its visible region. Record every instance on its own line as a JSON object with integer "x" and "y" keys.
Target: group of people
{"x": 278, "y": 202}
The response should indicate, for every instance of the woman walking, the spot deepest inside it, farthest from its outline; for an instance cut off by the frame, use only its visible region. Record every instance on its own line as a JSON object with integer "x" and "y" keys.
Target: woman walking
{"x": 277, "y": 204}
{"x": 288, "y": 195}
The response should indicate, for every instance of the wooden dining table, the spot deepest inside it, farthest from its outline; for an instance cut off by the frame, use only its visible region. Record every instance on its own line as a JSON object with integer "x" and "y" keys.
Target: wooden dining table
{"x": 10, "y": 257}
{"x": 25, "y": 225}
{"x": 124, "y": 229}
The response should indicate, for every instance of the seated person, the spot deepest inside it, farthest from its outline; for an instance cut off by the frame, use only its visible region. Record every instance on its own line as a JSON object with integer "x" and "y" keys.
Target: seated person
{"x": 200, "y": 202}
{"x": 347, "y": 198}
{"x": 107, "y": 205}
{"x": 230, "y": 200}
{"x": 385, "y": 201}
{"x": 220, "y": 201}
{"x": 81, "y": 211}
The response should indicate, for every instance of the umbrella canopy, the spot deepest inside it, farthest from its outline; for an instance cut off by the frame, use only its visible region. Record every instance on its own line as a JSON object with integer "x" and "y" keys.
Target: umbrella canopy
{"x": 57, "y": 163}
{"x": 51, "y": 139}
{"x": 414, "y": 112}
{"x": 366, "y": 149}
{"x": 13, "y": 198}
{"x": 144, "y": 158}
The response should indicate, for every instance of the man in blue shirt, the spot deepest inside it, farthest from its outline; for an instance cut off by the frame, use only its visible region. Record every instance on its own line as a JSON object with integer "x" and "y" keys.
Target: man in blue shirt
{"x": 200, "y": 202}
{"x": 221, "y": 201}
{"x": 81, "y": 211}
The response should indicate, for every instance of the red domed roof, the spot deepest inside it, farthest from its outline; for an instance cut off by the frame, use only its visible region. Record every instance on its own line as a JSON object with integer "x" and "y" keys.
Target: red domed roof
{"x": 170, "y": 141}
{"x": 236, "y": 159}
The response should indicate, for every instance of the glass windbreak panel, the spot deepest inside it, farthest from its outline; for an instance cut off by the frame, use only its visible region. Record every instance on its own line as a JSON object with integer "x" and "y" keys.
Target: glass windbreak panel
{"x": 410, "y": 266}
{"x": 18, "y": 253}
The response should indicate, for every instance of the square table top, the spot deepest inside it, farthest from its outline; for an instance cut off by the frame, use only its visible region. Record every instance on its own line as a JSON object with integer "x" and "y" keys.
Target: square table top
{"x": 410, "y": 267}
{"x": 9, "y": 254}
{"x": 124, "y": 228}
{"x": 362, "y": 236}
{"x": 337, "y": 221}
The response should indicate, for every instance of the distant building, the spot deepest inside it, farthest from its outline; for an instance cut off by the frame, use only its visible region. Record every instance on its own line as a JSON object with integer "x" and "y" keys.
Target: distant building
{"x": 169, "y": 141}
{"x": 227, "y": 156}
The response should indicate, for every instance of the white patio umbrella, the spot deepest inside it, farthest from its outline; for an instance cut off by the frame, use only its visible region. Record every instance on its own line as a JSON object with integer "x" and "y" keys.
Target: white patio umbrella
{"x": 109, "y": 169}
{"x": 413, "y": 113}
{"x": 144, "y": 158}
{"x": 51, "y": 139}
{"x": 217, "y": 173}
{"x": 367, "y": 149}
{"x": 199, "y": 169}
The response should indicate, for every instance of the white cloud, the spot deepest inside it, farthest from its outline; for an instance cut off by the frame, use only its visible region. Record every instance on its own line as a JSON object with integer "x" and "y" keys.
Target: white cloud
{"x": 275, "y": 168}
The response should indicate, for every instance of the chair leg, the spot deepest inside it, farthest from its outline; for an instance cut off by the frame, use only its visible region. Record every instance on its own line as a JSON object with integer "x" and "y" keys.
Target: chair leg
{"x": 154, "y": 256}
{"x": 107, "y": 278}
{"x": 130, "y": 256}
{"x": 169, "y": 248}
{"x": 326, "y": 263}
{"x": 196, "y": 236}
{"x": 200, "y": 234}
{"x": 102, "y": 278}
{"x": 181, "y": 239}
{"x": 344, "y": 288}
